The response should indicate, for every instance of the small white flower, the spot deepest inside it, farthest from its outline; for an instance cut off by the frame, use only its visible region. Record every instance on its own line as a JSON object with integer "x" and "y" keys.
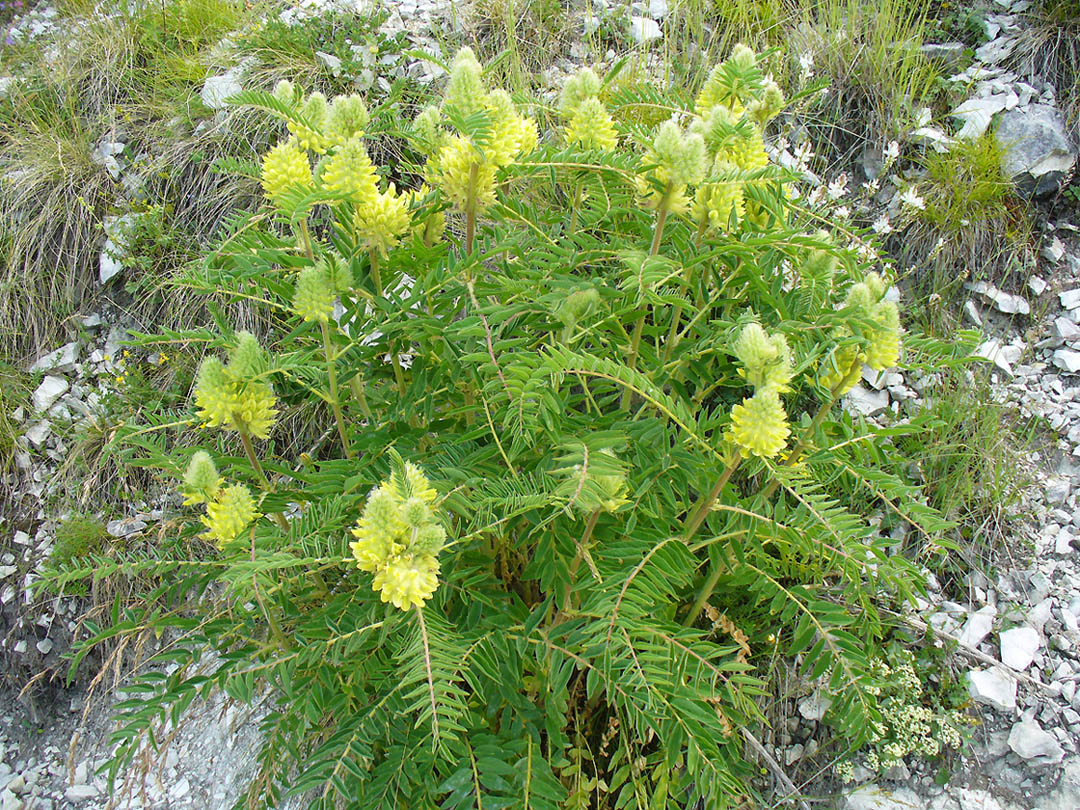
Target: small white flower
{"x": 872, "y": 186}
{"x": 910, "y": 197}
{"x": 806, "y": 65}
{"x": 838, "y": 187}
{"x": 843, "y": 212}
{"x": 816, "y": 196}
{"x": 881, "y": 225}
{"x": 892, "y": 152}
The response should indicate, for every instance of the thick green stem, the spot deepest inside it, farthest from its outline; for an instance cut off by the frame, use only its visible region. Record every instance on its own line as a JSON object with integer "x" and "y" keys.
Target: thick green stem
{"x": 275, "y": 628}
{"x": 705, "y": 505}
{"x": 693, "y": 525}
{"x": 470, "y": 208}
{"x": 373, "y": 263}
{"x": 335, "y": 401}
{"x": 582, "y": 545}
{"x": 575, "y": 206}
{"x": 639, "y": 327}
{"x": 306, "y": 235}
{"x": 277, "y": 517}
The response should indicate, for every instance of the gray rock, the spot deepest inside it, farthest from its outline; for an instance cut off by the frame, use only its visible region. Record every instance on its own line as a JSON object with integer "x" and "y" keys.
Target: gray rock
{"x": 873, "y": 797}
{"x": 44, "y": 646}
{"x": 218, "y": 89}
{"x": 1067, "y": 793}
{"x": 658, "y": 9}
{"x": 1018, "y": 647}
{"x": 48, "y": 392}
{"x": 1070, "y": 299}
{"x": 109, "y": 265}
{"x": 644, "y": 30}
{"x": 1038, "y": 151}
{"x": 992, "y": 687}
{"x": 1067, "y": 360}
{"x": 62, "y": 359}
{"x": 977, "y": 800}
{"x": 332, "y": 63}
{"x": 863, "y": 401}
{"x": 978, "y": 626}
{"x": 125, "y": 526}
{"x": 815, "y": 706}
{"x": 38, "y": 434}
{"x": 1002, "y": 301}
{"x": 80, "y": 793}
{"x": 1029, "y": 741}
{"x": 1058, "y": 489}
{"x": 949, "y": 55}
{"x": 1065, "y": 329}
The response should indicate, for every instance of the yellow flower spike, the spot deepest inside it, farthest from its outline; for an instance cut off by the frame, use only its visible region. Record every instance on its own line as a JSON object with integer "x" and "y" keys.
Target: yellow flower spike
{"x": 759, "y": 425}
{"x": 255, "y": 410}
{"x": 583, "y": 85}
{"x": 229, "y": 514}
{"x": 201, "y": 480}
{"x": 398, "y": 537}
{"x": 315, "y": 112}
{"x": 453, "y": 170}
{"x": 247, "y": 359}
{"x": 313, "y": 299}
{"x": 465, "y": 90}
{"x": 749, "y": 153}
{"x": 285, "y": 167}
{"x": 432, "y": 227}
{"x": 407, "y": 581}
{"x": 842, "y": 369}
{"x": 381, "y": 531}
{"x": 380, "y": 225}
{"x": 591, "y": 127}
{"x": 720, "y": 204}
{"x": 884, "y": 349}
{"x": 346, "y": 118}
{"x": 350, "y": 171}
{"x": 215, "y": 394}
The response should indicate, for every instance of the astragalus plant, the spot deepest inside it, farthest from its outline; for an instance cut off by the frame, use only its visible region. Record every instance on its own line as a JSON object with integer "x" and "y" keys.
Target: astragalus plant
{"x": 579, "y": 470}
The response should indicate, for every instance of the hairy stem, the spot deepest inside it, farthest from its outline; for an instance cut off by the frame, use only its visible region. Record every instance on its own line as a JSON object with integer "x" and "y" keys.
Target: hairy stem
{"x": 470, "y": 208}
{"x": 305, "y": 235}
{"x": 245, "y": 438}
{"x": 335, "y": 401}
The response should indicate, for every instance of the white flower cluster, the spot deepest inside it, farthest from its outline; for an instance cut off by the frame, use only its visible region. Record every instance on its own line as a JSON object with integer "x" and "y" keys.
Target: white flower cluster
{"x": 908, "y": 724}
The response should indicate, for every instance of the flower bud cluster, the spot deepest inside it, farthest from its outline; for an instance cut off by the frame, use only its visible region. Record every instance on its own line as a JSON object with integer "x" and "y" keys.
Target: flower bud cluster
{"x": 398, "y": 538}
{"x": 464, "y": 164}
{"x": 333, "y": 131}
{"x": 759, "y": 425}
{"x": 588, "y": 123}
{"x": 880, "y": 346}
{"x": 231, "y": 511}
{"x": 733, "y": 108}
{"x": 232, "y": 396}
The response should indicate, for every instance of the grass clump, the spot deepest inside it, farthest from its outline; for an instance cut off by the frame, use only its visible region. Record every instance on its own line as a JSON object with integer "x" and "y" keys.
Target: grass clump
{"x": 77, "y": 537}
{"x": 966, "y": 223}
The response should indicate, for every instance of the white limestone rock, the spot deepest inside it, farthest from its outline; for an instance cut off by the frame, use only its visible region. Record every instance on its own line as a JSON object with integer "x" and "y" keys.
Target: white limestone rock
{"x": 644, "y": 30}
{"x": 993, "y": 688}
{"x": 1018, "y": 647}
{"x": 50, "y": 390}
{"x": 1031, "y": 742}
{"x": 978, "y": 626}
{"x": 218, "y": 89}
